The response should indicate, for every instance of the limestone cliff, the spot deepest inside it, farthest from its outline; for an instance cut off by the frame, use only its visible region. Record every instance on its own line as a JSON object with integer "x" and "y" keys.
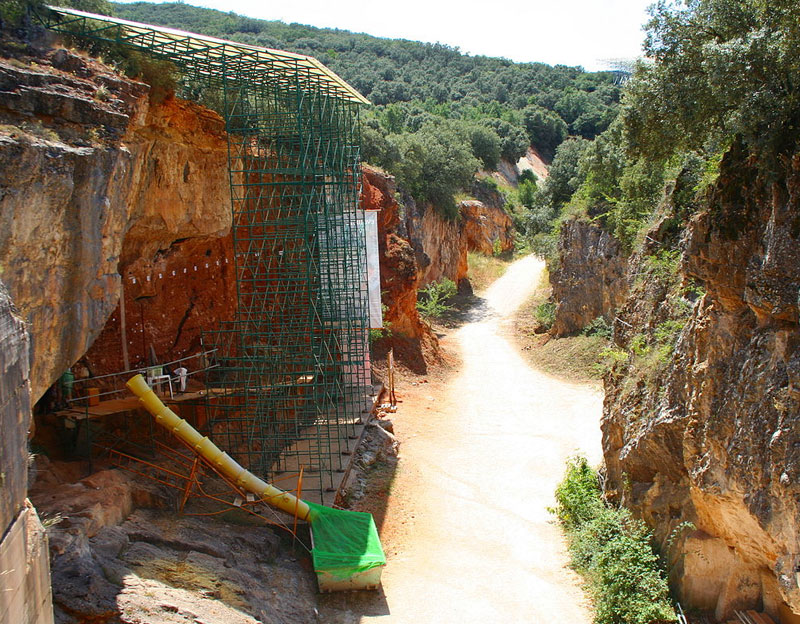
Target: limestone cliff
{"x": 703, "y": 439}
{"x": 487, "y": 228}
{"x": 27, "y": 597}
{"x": 590, "y": 279}
{"x": 94, "y": 178}
{"x": 439, "y": 243}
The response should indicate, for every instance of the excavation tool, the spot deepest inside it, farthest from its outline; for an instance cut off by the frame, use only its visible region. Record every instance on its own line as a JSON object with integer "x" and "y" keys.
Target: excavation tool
{"x": 345, "y": 547}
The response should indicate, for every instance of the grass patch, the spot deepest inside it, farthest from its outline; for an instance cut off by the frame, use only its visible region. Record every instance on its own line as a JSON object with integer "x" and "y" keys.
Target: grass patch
{"x": 545, "y": 314}
{"x": 611, "y": 550}
{"x": 575, "y": 358}
{"x": 483, "y": 270}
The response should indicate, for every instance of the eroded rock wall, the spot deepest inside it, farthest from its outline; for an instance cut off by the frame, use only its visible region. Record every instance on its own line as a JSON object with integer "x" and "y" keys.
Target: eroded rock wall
{"x": 590, "y": 279}
{"x": 25, "y": 596}
{"x": 398, "y": 265}
{"x": 487, "y": 227}
{"x": 710, "y": 458}
{"x": 439, "y": 243}
{"x": 94, "y": 180}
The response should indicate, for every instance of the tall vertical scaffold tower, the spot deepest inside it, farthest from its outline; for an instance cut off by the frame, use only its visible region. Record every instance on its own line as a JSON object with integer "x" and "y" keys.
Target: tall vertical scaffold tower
{"x": 292, "y": 374}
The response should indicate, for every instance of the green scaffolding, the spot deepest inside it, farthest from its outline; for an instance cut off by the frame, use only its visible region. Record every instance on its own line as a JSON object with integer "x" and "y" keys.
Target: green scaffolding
{"x": 292, "y": 375}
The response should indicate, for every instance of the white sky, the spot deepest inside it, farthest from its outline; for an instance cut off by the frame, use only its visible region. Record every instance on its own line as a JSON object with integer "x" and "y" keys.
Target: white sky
{"x": 570, "y": 32}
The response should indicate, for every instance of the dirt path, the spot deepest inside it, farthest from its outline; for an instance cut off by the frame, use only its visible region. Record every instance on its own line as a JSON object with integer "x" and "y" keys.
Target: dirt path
{"x": 467, "y": 533}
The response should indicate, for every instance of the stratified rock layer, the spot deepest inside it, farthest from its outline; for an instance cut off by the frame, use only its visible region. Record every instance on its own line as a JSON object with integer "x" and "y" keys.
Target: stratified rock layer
{"x": 25, "y": 582}
{"x": 487, "y": 228}
{"x": 439, "y": 243}
{"x": 115, "y": 563}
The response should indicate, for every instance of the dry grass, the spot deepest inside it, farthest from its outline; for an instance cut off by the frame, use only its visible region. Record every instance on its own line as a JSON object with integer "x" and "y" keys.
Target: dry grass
{"x": 483, "y": 270}
{"x": 575, "y": 358}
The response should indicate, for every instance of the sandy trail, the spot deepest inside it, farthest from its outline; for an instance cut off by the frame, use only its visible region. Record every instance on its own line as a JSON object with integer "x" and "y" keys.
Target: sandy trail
{"x": 467, "y": 533}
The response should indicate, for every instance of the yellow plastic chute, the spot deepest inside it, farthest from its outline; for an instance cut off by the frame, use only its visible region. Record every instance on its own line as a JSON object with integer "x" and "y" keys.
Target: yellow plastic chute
{"x": 219, "y": 459}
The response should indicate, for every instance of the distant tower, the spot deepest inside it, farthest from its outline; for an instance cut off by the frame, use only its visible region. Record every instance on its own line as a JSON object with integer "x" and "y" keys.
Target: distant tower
{"x": 622, "y": 68}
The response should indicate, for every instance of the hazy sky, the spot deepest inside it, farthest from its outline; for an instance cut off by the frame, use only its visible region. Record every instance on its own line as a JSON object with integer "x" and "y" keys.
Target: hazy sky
{"x": 572, "y": 32}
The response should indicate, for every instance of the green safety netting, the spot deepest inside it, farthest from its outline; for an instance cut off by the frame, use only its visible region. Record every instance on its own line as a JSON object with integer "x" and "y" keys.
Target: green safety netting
{"x": 345, "y": 542}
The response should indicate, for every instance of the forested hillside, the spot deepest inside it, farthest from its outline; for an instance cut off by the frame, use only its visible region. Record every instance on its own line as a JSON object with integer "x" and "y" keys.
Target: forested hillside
{"x": 439, "y": 115}
{"x": 394, "y": 70}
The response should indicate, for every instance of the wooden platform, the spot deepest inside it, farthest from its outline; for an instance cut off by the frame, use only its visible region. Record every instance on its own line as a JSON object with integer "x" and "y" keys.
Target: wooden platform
{"x": 751, "y": 617}
{"x": 129, "y": 404}
{"x": 317, "y": 486}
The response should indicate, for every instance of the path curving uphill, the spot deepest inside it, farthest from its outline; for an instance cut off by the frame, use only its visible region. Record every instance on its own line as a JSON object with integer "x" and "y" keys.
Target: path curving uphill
{"x": 467, "y": 532}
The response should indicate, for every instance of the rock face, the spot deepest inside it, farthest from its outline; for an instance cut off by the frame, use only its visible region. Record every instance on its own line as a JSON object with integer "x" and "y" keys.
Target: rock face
{"x": 439, "y": 243}
{"x": 95, "y": 178}
{"x": 487, "y": 228}
{"x": 115, "y": 563}
{"x": 711, "y": 457}
{"x": 169, "y": 301}
{"x": 399, "y": 272}
{"x": 25, "y": 581}
{"x": 590, "y": 280}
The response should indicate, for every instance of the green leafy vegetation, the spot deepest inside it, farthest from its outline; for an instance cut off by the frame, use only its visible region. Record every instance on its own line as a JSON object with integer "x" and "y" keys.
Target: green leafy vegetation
{"x": 432, "y": 163}
{"x": 598, "y": 327}
{"x": 385, "y": 331}
{"x": 432, "y": 301}
{"x": 433, "y": 104}
{"x": 611, "y": 550}
{"x": 719, "y": 73}
{"x": 16, "y": 13}
{"x": 546, "y": 314}
{"x": 160, "y": 74}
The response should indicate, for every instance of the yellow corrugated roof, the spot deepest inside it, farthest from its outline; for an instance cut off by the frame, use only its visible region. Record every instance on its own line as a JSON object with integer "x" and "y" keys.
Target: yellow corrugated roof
{"x": 214, "y": 57}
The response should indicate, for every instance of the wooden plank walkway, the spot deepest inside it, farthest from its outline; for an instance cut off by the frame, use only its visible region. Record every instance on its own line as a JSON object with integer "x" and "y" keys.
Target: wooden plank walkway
{"x": 128, "y": 404}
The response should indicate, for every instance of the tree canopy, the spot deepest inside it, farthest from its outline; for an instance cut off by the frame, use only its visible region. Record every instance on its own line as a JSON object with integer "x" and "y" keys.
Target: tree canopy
{"x": 431, "y": 102}
{"x": 717, "y": 73}
{"x": 720, "y": 68}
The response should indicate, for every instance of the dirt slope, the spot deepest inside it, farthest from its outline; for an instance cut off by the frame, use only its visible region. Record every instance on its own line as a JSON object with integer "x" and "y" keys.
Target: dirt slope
{"x": 467, "y": 533}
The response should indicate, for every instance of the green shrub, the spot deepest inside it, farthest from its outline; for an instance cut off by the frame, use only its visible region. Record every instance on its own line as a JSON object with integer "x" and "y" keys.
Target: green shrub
{"x": 161, "y": 75}
{"x": 664, "y": 265}
{"x": 432, "y": 300}
{"x": 14, "y": 12}
{"x": 611, "y": 550}
{"x": 578, "y": 495}
{"x": 497, "y": 247}
{"x": 545, "y": 245}
{"x": 546, "y": 314}
{"x": 376, "y": 334}
{"x": 527, "y": 192}
{"x": 598, "y": 327}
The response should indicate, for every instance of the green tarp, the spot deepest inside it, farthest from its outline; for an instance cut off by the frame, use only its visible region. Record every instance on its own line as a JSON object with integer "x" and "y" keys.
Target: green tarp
{"x": 345, "y": 542}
